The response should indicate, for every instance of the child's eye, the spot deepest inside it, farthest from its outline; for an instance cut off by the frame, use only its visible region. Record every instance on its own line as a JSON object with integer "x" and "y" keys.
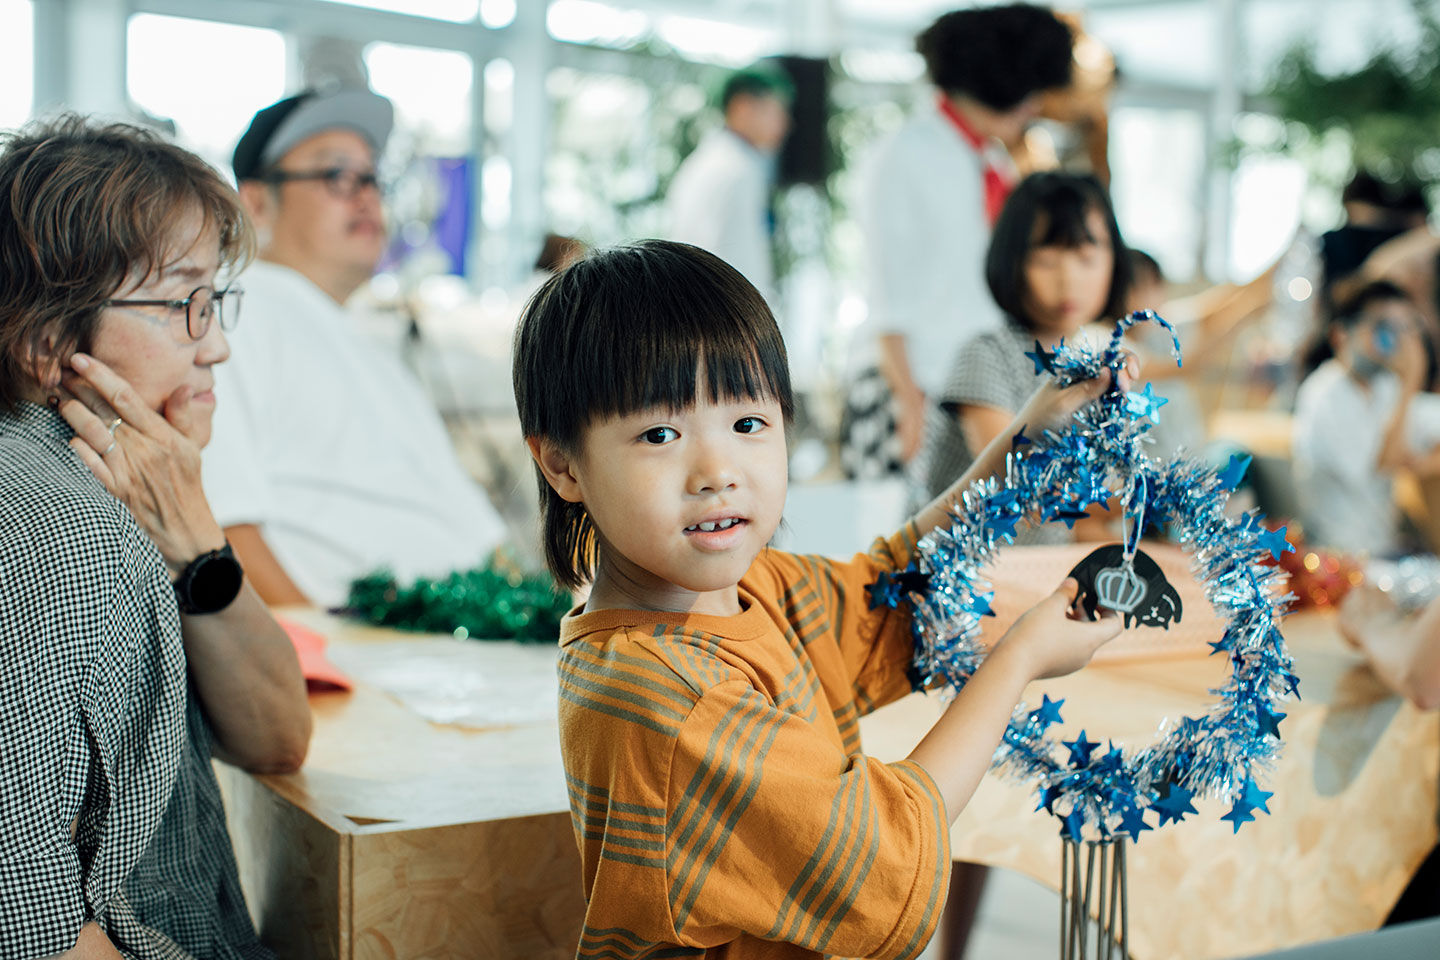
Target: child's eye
{"x": 749, "y": 425}
{"x": 659, "y": 435}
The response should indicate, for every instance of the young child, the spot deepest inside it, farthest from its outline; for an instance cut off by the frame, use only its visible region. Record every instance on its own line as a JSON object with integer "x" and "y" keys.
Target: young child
{"x": 710, "y": 688}
{"x": 1360, "y": 417}
{"x": 1056, "y": 263}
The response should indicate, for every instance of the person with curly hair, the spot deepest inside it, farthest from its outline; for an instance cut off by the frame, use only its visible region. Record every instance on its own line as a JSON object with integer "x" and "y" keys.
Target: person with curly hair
{"x": 936, "y": 186}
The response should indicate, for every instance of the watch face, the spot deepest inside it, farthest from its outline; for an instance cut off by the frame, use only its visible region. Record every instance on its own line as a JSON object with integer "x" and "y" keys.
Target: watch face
{"x": 215, "y": 583}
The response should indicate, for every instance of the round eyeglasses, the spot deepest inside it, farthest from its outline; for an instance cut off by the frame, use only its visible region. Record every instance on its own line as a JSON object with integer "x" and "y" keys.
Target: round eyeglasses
{"x": 205, "y": 304}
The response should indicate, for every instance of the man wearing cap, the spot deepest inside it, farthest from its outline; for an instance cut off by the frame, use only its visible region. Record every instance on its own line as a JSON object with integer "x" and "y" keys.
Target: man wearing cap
{"x": 720, "y": 197}
{"x": 327, "y": 462}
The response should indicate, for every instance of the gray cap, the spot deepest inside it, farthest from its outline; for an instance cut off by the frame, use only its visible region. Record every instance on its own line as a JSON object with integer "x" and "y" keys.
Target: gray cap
{"x": 281, "y": 126}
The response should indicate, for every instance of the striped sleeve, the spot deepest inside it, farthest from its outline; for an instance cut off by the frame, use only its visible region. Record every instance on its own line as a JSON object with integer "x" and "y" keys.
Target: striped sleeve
{"x": 829, "y": 601}
{"x": 773, "y": 832}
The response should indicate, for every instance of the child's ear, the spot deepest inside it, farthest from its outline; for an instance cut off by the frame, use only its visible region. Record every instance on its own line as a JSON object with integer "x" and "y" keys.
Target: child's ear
{"x": 556, "y": 465}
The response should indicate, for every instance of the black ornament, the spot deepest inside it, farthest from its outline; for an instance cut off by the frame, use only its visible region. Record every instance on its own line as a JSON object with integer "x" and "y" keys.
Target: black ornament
{"x": 1140, "y": 594}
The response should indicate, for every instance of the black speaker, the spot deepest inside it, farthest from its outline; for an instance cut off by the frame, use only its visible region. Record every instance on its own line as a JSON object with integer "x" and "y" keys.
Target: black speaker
{"x": 807, "y": 156}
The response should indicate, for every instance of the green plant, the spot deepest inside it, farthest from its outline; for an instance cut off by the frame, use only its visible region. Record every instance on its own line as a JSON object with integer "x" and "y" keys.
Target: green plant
{"x": 1389, "y": 108}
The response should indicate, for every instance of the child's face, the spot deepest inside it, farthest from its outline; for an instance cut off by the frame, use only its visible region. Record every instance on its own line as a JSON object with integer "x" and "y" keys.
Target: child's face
{"x": 651, "y": 479}
{"x": 1067, "y": 287}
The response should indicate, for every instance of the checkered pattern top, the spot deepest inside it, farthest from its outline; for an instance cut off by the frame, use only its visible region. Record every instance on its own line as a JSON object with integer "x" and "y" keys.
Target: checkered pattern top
{"x": 990, "y": 370}
{"x": 101, "y": 745}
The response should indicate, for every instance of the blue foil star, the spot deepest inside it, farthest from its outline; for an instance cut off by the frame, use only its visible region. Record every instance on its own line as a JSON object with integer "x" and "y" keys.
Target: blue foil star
{"x": 1240, "y": 813}
{"x": 1020, "y": 440}
{"x": 884, "y": 592}
{"x": 1132, "y": 821}
{"x": 1048, "y": 796}
{"x": 1044, "y": 362}
{"x": 1113, "y": 761}
{"x": 1048, "y": 712}
{"x": 1256, "y": 798}
{"x": 1073, "y": 822}
{"x": 1173, "y": 804}
{"x": 1004, "y": 526}
{"x": 1275, "y": 542}
{"x": 979, "y": 604}
{"x": 1234, "y": 472}
{"x": 1268, "y": 720}
{"x": 1080, "y": 750}
{"x": 1145, "y": 403}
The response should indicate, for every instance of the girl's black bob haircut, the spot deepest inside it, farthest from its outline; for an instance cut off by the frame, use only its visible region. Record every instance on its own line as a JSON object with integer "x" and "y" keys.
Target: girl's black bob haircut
{"x": 630, "y": 328}
{"x": 1049, "y": 210}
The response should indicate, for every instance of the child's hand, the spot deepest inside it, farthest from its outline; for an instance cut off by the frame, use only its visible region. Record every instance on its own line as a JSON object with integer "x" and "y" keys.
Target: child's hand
{"x": 1054, "y": 638}
{"x": 1051, "y": 406}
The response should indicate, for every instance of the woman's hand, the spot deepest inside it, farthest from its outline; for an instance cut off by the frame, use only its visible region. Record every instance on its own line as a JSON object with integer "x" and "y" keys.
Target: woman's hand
{"x": 1054, "y": 638}
{"x": 1051, "y": 406}
{"x": 145, "y": 460}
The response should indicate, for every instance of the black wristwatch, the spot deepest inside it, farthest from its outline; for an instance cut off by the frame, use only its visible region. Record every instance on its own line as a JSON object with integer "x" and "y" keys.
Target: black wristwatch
{"x": 210, "y": 582}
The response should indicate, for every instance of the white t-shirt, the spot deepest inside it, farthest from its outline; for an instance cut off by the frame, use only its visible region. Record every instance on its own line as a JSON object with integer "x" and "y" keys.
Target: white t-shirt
{"x": 1346, "y": 501}
{"x": 327, "y": 444}
{"x": 922, "y": 210}
{"x": 719, "y": 201}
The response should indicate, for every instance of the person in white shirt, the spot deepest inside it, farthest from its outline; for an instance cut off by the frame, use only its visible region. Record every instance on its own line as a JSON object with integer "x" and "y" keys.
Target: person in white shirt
{"x": 327, "y": 461}
{"x": 932, "y": 191}
{"x": 720, "y": 197}
{"x": 1360, "y": 417}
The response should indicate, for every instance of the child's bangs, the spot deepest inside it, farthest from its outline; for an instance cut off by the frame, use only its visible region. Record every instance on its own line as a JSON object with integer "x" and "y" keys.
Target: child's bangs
{"x": 1061, "y": 221}
{"x": 697, "y": 330}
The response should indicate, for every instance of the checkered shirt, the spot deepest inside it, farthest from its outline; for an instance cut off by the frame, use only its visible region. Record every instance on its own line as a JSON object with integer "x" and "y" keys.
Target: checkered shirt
{"x": 109, "y": 811}
{"x": 990, "y": 370}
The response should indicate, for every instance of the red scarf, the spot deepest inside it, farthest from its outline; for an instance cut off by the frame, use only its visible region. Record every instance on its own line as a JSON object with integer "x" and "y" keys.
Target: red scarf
{"x": 998, "y": 184}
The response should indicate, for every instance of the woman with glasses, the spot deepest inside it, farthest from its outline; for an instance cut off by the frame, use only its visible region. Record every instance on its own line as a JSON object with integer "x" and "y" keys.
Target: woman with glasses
{"x": 134, "y": 649}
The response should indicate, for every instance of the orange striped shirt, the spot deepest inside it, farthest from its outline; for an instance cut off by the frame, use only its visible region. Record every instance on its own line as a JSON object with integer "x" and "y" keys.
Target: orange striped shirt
{"x": 720, "y": 798}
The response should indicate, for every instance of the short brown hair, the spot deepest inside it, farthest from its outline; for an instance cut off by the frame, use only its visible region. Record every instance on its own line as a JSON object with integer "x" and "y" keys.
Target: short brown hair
{"x": 629, "y": 328}
{"x": 84, "y": 209}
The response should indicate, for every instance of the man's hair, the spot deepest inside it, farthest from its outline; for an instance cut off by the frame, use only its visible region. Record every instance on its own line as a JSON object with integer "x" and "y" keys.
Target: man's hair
{"x": 1349, "y": 312}
{"x": 756, "y": 81}
{"x": 998, "y": 55}
{"x": 1049, "y": 210}
{"x": 629, "y": 328}
{"x": 87, "y": 209}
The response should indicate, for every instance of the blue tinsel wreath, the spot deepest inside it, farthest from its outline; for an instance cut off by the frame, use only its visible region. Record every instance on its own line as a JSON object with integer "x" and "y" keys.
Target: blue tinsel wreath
{"x": 1057, "y": 478}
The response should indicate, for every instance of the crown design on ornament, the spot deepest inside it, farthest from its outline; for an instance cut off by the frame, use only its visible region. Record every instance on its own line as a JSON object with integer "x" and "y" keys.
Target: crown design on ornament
{"x": 1119, "y": 589}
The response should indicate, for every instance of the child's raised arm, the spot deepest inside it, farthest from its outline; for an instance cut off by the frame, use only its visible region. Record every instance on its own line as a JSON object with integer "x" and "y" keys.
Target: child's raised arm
{"x": 1050, "y": 640}
{"x": 1048, "y": 407}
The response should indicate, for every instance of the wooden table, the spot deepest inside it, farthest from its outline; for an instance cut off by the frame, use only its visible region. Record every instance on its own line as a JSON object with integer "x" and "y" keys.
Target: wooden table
{"x": 407, "y": 838}
{"x": 1354, "y": 810}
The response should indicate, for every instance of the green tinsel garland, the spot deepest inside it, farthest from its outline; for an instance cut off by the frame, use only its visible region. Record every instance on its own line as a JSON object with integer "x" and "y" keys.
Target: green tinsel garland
{"x": 485, "y": 603}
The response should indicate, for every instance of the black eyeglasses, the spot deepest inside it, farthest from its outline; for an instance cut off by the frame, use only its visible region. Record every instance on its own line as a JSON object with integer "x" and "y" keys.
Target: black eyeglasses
{"x": 342, "y": 182}
{"x": 202, "y": 306}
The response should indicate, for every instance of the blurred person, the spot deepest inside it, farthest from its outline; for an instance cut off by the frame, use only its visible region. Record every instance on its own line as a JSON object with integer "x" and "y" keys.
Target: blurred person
{"x": 1056, "y": 263}
{"x": 933, "y": 190}
{"x": 1359, "y": 418}
{"x": 135, "y": 649}
{"x": 328, "y": 462}
{"x": 720, "y": 197}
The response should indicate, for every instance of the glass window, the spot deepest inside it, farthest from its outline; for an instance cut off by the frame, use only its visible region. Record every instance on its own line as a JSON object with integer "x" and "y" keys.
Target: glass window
{"x": 210, "y": 108}
{"x": 1157, "y": 162}
{"x": 588, "y": 21}
{"x": 431, "y": 90}
{"x": 17, "y": 62}
{"x": 458, "y": 11}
